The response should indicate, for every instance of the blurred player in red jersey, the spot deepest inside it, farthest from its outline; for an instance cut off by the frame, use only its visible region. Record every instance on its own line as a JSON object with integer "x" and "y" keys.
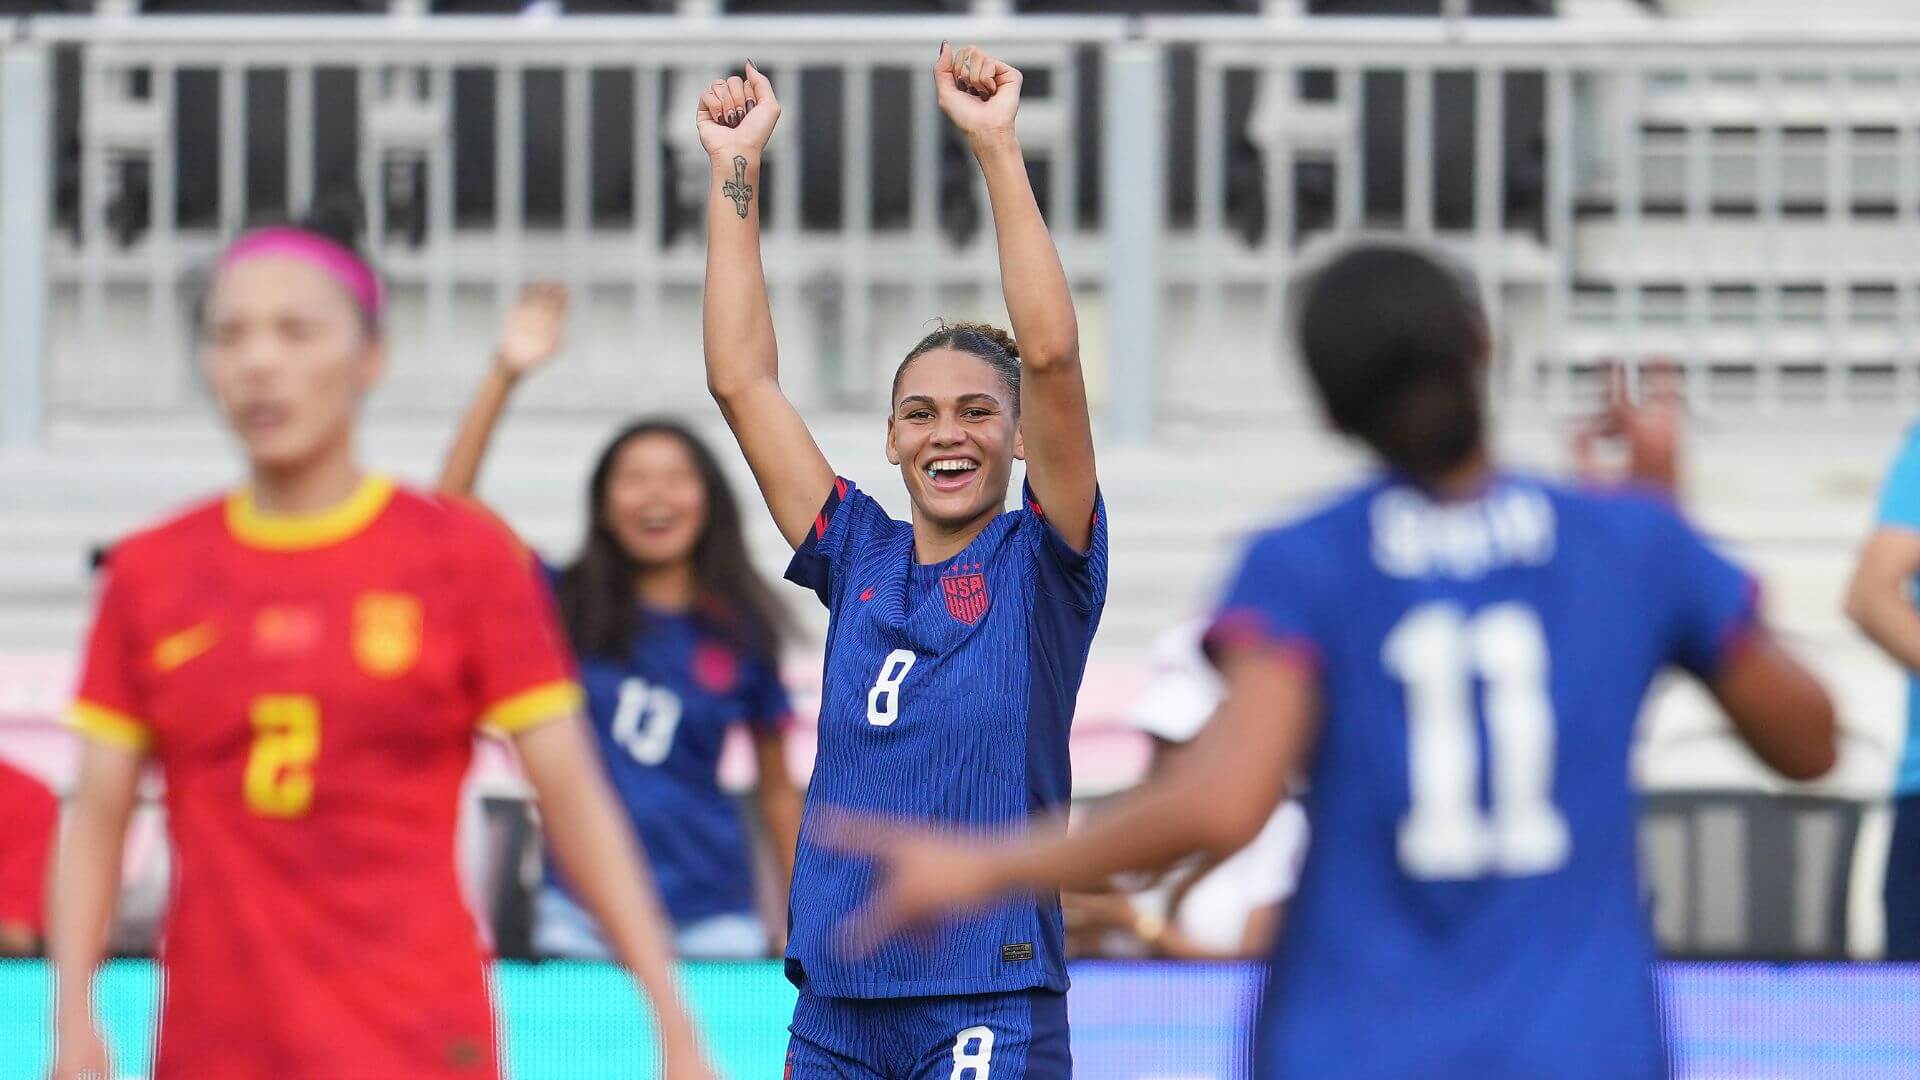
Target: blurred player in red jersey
{"x": 30, "y": 812}
{"x": 306, "y": 660}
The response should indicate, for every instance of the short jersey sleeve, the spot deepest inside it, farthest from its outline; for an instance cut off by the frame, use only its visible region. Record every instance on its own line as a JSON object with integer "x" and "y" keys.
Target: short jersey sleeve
{"x": 1900, "y": 494}
{"x": 1708, "y": 603}
{"x": 1078, "y": 578}
{"x": 845, "y": 523}
{"x": 768, "y": 709}
{"x": 110, "y": 706}
{"x": 1265, "y": 607}
{"x": 520, "y": 670}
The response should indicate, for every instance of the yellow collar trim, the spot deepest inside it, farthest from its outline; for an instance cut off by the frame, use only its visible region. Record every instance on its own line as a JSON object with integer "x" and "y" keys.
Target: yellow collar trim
{"x": 300, "y": 532}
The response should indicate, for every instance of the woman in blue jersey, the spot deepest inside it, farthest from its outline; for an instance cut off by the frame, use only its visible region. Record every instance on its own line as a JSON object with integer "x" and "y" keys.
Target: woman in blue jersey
{"x": 1454, "y": 655}
{"x": 957, "y": 641}
{"x": 677, "y": 638}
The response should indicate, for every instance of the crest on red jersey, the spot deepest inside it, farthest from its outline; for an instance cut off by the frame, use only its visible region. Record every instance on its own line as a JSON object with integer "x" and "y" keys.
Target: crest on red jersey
{"x": 386, "y": 633}
{"x": 966, "y": 591}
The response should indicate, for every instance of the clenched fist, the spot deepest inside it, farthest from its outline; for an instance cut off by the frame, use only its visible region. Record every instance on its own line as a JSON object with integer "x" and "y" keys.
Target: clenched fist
{"x": 737, "y": 116}
{"x": 978, "y": 93}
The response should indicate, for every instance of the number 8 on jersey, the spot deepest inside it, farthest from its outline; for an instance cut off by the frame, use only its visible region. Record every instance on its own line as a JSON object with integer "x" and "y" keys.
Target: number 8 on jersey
{"x": 883, "y": 701}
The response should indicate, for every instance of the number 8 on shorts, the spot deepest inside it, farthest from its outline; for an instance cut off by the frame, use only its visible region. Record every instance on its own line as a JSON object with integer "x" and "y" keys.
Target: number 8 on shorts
{"x": 972, "y": 1053}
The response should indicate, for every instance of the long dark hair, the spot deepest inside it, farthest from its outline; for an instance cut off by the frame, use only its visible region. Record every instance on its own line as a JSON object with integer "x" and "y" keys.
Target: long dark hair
{"x": 596, "y": 591}
{"x": 1395, "y": 343}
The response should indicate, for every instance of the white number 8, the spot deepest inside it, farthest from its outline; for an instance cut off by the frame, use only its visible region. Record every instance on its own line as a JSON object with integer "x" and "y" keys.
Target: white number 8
{"x": 979, "y": 1059}
{"x": 883, "y": 701}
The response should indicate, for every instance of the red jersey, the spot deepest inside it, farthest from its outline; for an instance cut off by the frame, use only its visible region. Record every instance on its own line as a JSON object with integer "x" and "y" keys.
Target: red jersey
{"x": 310, "y": 688}
{"x": 31, "y": 813}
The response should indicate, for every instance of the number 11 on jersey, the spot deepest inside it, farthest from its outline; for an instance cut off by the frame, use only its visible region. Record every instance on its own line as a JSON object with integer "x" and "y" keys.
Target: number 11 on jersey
{"x": 1437, "y": 650}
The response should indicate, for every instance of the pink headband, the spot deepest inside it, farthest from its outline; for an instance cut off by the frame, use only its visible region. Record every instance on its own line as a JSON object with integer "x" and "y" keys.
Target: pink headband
{"x": 326, "y": 255}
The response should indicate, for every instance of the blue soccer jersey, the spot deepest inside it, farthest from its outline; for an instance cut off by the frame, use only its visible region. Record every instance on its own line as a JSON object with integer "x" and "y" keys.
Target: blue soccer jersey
{"x": 661, "y": 714}
{"x": 1900, "y": 509}
{"x": 1470, "y": 905}
{"x": 947, "y": 697}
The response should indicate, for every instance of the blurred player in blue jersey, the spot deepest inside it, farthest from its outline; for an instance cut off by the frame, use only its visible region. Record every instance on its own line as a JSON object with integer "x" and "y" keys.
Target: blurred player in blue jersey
{"x": 1453, "y": 654}
{"x": 677, "y": 639}
{"x": 956, "y": 642}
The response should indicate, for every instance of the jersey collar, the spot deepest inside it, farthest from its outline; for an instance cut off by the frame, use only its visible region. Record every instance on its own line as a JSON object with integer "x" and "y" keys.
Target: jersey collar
{"x": 300, "y": 532}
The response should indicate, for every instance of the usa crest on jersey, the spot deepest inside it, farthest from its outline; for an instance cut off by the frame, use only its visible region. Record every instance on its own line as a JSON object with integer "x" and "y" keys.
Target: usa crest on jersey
{"x": 965, "y": 587}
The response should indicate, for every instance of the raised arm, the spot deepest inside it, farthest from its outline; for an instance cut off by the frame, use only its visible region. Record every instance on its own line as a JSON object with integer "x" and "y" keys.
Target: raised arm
{"x": 531, "y": 336}
{"x": 736, "y": 119}
{"x": 85, "y": 886}
{"x": 1780, "y": 710}
{"x": 981, "y": 95}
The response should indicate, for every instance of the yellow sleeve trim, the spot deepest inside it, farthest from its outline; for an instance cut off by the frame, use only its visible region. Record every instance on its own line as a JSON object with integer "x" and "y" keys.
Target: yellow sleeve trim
{"x": 109, "y": 726}
{"x": 531, "y": 708}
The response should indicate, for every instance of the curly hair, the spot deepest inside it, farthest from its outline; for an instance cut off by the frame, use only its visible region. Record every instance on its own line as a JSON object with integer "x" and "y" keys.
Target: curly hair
{"x": 984, "y": 340}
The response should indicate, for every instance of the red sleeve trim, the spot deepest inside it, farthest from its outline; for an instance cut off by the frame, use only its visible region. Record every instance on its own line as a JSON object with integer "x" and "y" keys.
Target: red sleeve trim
{"x": 1246, "y": 630}
{"x": 1040, "y": 512}
{"x": 823, "y": 520}
{"x": 1745, "y": 628}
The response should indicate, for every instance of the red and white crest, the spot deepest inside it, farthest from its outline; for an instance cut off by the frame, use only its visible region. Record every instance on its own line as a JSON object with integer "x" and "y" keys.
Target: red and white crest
{"x": 966, "y": 591}
{"x": 715, "y": 668}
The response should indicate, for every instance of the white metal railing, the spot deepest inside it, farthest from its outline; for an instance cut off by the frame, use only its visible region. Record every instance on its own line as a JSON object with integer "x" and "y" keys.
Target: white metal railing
{"x": 120, "y": 332}
{"x": 1740, "y": 198}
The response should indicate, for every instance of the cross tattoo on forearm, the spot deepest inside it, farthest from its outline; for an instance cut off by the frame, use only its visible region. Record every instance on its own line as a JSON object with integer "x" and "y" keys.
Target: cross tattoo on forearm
{"x": 737, "y": 188}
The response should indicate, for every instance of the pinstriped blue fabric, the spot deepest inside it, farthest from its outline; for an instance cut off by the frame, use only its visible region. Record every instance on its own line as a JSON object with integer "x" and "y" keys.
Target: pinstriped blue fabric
{"x": 1015, "y": 1036}
{"x": 947, "y": 696}
{"x": 661, "y": 713}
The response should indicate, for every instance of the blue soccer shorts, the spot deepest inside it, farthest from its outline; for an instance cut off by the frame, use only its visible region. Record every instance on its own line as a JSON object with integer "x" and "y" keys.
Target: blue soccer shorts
{"x": 1020, "y": 1035}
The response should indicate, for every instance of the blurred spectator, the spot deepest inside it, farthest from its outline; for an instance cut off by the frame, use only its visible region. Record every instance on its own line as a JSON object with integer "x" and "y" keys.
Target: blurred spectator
{"x": 31, "y": 813}
{"x": 1881, "y": 602}
{"x": 1206, "y": 909}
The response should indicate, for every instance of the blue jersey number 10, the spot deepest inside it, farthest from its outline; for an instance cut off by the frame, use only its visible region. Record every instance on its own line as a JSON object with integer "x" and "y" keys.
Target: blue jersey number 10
{"x": 1438, "y": 651}
{"x": 645, "y": 720}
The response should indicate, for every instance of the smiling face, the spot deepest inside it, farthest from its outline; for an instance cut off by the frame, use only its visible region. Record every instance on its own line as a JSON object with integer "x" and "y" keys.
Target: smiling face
{"x": 955, "y": 434}
{"x": 655, "y": 502}
{"x": 290, "y": 357}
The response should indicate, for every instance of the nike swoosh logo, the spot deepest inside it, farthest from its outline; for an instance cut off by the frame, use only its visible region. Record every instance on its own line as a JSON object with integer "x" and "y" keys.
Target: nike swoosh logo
{"x": 176, "y": 650}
